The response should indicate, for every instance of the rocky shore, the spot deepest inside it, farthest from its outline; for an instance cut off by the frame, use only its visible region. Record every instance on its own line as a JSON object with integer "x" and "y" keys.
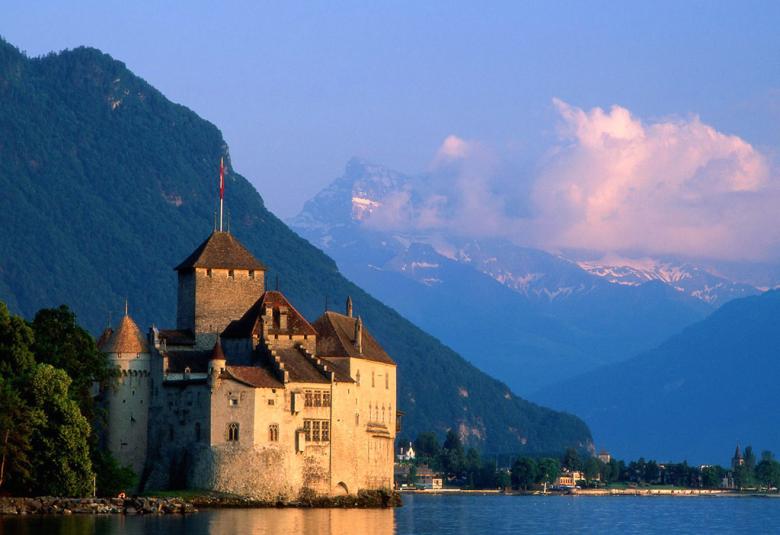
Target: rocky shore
{"x": 94, "y": 506}
{"x": 191, "y": 504}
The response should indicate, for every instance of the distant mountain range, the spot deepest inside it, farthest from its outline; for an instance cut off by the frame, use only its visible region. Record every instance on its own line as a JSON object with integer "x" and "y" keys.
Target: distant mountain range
{"x": 693, "y": 397}
{"x": 547, "y": 316}
{"x": 107, "y": 185}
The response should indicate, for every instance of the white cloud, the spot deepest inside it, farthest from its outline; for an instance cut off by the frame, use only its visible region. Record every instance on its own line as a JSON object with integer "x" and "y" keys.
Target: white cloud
{"x": 612, "y": 183}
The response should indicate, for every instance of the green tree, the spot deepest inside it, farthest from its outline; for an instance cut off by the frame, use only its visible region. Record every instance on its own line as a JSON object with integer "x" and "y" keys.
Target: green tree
{"x": 593, "y": 468}
{"x": 61, "y": 342}
{"x": 547, "y": 470}
{"x": 652, "y": 472}
{"x": 768, "y": 471}
{"x": 16, "y": 337}
{"x": 15, "y": 445}
{"x": 524, "y": 473}
{"x": 712, "y": 476}
{"x": 427, "y": 445}
{"x": 61, "y": 465}
{"x": 503, "y": 479}
{"x": 471, "y": 466}
{"x": 411, "y": 477}
{"x": 453, "y": 458}
{"x": 112, "y": 478}
{"x": 571, "y": 459}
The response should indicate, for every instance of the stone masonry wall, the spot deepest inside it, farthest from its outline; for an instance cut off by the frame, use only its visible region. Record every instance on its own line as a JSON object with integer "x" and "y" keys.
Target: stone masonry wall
{"x": 220, "y": 298}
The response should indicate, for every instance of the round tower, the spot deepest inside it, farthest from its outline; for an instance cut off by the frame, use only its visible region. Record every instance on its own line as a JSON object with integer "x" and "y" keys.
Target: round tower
{"x": 128, "y": 399}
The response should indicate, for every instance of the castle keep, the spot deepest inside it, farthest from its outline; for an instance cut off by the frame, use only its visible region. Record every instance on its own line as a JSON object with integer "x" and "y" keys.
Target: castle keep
{"x": 245, "y": 395}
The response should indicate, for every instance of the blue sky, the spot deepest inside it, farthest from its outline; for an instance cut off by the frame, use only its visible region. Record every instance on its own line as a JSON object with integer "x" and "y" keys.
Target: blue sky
{"x": 299, "y": 88}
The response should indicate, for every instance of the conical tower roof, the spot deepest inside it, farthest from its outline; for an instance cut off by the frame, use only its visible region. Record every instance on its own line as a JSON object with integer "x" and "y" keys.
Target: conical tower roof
{"x": 217, "y": 353}
{"x": 221, "y": 250}
{"x": 127, "y": 338}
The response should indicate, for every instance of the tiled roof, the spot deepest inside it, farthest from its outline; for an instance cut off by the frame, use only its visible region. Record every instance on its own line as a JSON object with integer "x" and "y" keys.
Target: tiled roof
{"x": 196, "y": 361}
{"x": 337, "y": 339}
{"x": 126, "y": 339}
{"x": 244, "y": 327}
{"x": 178, "y": 337}
{"x": 257, "y": 376}
{"x": 221, "y": 250}
{"x": 301, "y": 369}
{"x": 217, "y": 353}
{"x": 340, "y": 369}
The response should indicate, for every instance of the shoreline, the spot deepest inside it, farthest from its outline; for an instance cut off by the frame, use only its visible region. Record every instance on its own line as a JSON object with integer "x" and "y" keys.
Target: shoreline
{"x": 682, "y": 493}
{"x": 155, "y": 505}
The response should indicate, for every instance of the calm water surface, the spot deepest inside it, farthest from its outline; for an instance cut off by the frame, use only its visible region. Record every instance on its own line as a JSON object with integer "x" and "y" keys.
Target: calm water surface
{"x": 423, "y": 515}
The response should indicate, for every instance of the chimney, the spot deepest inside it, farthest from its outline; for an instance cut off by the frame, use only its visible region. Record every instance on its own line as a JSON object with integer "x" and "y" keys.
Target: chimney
{"x": 283, "y": 318}
{"x": 349, "y": 307}
{"x": 359, "y": 335}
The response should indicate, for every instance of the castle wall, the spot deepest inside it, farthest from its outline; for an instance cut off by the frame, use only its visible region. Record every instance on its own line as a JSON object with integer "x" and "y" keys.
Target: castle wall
{"x": 178, "y": 431}
{"x": 374, "y": 441}
{"x": 221, "y": 298}
{"x": 128, "y": 404}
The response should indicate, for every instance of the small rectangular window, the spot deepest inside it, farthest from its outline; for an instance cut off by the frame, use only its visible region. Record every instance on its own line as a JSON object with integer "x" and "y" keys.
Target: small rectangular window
{"x": 271, "y": 401}
{"x": 231, "y": 274}
{"x": 234, "y": 402}
{"x": 307, "y": 430}
{"x": 308, "y": 397}
{"x": 251, "y": 273}
{"x": 317, "y": 398}
{"x": 315, "y": 431}
{"x": 325, "y": 431}
{"x": 208, "y": 272}
{"x": 326, "y": 399}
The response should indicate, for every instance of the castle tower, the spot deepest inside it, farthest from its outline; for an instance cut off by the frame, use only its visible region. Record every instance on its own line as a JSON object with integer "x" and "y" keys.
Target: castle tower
{"x": 128, "y": 401}
{"x": 218, "y": 282}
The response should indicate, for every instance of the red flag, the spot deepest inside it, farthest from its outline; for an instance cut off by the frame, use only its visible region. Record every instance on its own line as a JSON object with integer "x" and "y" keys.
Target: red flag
{"x": 221, "y": 178}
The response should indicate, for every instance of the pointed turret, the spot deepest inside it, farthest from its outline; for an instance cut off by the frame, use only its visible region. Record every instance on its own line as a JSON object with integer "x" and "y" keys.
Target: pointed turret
{"x": 127, "y": 338}
{"x": 349, "y": 307}
{"x": 217, "y": 361}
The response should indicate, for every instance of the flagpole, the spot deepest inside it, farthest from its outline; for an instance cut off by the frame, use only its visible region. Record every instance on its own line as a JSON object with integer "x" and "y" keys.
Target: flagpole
{"x": 221, "y": 189}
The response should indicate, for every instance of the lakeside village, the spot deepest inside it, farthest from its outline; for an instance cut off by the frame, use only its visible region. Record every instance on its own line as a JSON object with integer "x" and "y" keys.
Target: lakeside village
{"x": 425, "y": 465}
{"x": 246, "y": 400}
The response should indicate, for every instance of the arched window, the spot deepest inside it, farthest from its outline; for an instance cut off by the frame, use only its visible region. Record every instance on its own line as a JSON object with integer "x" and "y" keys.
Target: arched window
{"x": 232, "y": 432}
{"x": 273, "y": 433}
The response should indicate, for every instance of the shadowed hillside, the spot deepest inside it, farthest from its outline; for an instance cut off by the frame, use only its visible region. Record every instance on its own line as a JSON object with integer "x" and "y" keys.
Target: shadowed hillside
{"x": 693, "y": 397}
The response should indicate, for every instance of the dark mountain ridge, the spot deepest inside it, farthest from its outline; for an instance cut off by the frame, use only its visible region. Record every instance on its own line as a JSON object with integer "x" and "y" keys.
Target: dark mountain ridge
{"x": 108, "y": 185}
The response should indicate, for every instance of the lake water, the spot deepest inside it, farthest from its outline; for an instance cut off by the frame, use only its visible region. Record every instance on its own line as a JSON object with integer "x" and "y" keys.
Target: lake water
{"x": 429, "y": 514}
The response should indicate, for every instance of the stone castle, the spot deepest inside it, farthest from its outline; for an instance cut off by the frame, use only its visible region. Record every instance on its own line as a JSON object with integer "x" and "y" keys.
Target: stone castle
{"x": 245, "y": 395}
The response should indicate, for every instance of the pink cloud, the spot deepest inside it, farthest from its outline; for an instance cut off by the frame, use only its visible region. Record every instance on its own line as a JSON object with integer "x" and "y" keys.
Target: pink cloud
{"x": 612, "y": 183}
{"x": 674, "y": 186}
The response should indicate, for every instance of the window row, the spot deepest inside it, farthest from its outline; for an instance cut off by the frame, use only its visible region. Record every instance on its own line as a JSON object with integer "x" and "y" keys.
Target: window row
{"x": 316, "y": 430}
{"x": 316, "y": 398}
{"x": 232, "y": 434}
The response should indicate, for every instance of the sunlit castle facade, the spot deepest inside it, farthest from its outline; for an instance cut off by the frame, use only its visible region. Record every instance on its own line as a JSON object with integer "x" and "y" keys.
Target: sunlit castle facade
{"x": 245, "y": 395}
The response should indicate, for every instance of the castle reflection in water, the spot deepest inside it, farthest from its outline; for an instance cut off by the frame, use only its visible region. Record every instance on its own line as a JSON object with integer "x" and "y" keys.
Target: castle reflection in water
{"x": 269, "y": 521}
